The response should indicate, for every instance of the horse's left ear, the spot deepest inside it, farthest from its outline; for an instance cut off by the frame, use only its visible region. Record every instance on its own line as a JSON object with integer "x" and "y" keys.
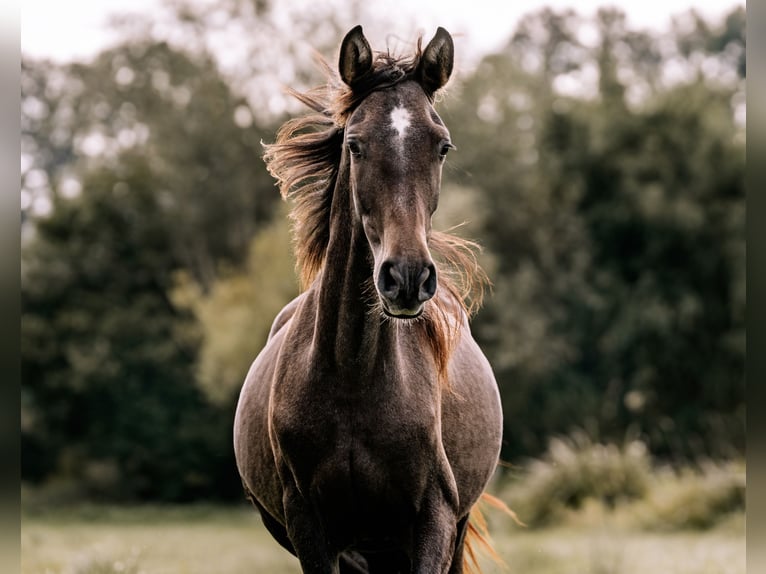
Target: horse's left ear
{"x": 436, "y": 62}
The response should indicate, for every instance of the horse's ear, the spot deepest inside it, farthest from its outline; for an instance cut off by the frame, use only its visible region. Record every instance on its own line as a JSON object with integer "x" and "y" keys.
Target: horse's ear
{"x": 355, "y": 56}
{"x": 436, "y": 62}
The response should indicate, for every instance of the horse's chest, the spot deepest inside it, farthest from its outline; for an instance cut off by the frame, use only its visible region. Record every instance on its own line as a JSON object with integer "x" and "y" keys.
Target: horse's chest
{"x": 389, "y": 426}
{"x": 368, "y": 445}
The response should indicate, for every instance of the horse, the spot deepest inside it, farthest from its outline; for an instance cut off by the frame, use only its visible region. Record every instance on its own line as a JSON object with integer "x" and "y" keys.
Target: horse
{"x": 370, "y": 424}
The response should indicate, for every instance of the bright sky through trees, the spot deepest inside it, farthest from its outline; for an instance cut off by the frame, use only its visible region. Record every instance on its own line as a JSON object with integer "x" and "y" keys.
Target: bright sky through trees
{"x": 64, "y": 31}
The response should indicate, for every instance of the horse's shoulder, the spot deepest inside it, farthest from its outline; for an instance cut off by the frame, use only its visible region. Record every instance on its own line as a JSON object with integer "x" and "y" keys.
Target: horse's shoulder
{"x": 284, "y": 316}
{"x": 456, "y": 313}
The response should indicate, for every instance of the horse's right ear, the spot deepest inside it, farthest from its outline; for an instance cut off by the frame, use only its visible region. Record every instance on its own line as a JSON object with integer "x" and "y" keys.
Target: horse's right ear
{"x": 355, "y": 56}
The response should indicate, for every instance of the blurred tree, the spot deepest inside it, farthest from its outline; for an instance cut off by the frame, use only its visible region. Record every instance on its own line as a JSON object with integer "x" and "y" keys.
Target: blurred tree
{"x": 135, "y": 166}
{"x": 665, "y": 211}
{"x": 698, "y": 39}
{"x": 261, "y": 46}
{"x": 107, "y": 360}
{"x": 201, "y": 140}
{"x": 615, "y": 214}
{"x": 236, "y": 316}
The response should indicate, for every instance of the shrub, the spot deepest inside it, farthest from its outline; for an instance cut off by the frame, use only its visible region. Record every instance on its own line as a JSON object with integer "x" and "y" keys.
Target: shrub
{"x": 575, "y": 469}
{"x": 693, "y": 499}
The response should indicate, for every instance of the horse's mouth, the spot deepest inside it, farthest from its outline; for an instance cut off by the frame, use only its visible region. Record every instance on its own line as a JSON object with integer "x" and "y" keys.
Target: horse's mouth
{"x": 403, "y": 313}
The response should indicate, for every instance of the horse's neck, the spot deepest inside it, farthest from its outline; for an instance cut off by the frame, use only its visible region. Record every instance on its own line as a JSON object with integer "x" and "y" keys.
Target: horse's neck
{"x": 345, "y": 329}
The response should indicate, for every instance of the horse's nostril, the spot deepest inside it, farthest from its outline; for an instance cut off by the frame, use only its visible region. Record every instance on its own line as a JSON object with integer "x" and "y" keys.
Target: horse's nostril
{"x": 390, "y": 280}
{"x": 427, "y": 283}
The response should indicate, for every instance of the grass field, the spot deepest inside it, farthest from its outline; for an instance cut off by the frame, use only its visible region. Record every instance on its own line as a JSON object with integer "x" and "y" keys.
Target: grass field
{"x": 220, "y": 540}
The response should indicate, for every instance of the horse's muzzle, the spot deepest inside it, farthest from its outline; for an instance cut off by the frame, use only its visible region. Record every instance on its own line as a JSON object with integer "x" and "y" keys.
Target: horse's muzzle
{"x": 404, "y": 287}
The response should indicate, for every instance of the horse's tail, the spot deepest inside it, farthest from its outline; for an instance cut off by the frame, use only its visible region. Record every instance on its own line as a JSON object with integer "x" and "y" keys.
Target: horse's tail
{"x": 477, "y": 539}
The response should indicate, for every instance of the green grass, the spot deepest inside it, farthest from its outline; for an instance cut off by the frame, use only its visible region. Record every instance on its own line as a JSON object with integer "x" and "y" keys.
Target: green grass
{"x": 150, "y": 540}
{"x": 597, "y": 540}
{"x": 218, "y": 540}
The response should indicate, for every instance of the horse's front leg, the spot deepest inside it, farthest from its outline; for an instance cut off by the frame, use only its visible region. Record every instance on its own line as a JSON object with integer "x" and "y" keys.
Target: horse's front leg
{"x": 435, "y": 536}
{"x": 307, "y": 535}
{"x": 457, "y": 556}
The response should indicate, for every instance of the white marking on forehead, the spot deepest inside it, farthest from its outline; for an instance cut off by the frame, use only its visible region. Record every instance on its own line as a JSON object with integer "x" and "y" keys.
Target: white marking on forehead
{"x": 400, "y": 120}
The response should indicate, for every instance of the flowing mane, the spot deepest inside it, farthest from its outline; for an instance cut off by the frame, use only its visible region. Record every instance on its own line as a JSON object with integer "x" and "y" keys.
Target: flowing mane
{"x": 305, "y": 160}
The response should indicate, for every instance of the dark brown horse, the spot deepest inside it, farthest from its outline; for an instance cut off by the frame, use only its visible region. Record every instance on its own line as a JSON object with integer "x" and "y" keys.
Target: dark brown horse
{"x": 370, "y": 424}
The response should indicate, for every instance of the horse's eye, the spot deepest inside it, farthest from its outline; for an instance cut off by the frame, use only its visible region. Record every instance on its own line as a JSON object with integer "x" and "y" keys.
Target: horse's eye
{"x": 354, "y": 148}
{"x": 444, "y": 149}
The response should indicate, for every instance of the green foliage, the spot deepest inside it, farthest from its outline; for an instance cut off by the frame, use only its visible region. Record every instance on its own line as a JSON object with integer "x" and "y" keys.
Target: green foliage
{"x": 574, "y": 470}
{"x": 236, "y": 316}
{"x": 174, "y": 110}
{"x": 615, "y": 218}
{"x": 108, "y": 394}
{"x": 147, "y": 163}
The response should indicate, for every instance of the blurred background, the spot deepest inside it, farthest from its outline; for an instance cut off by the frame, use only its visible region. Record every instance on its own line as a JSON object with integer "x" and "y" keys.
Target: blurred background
{"x": 600, "y": 162}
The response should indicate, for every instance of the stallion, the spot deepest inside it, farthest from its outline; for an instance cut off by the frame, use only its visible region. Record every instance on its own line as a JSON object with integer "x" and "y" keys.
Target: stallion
{"x": 370, "y": 424}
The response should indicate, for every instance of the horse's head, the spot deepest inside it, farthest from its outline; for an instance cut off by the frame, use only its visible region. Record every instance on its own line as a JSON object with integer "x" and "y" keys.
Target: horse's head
{"x": 396, "y": 145}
